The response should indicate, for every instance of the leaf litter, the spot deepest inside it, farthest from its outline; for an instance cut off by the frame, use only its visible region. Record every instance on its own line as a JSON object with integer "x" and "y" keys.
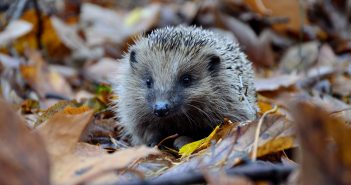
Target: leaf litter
{"x": 57, "y": 62}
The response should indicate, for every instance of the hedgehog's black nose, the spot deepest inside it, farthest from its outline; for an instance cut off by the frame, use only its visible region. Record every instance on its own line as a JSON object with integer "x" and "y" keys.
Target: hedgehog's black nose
{"x": 161, "y": 109}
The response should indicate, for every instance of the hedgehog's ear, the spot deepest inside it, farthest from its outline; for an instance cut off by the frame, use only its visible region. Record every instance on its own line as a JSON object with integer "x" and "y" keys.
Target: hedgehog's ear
{"x": 214, "y": 62}
{"x": 132, "y": 58}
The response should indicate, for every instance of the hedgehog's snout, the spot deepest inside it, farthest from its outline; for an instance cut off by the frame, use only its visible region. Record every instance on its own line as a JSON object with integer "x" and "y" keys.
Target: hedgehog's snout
{"x": 161, "y": 108}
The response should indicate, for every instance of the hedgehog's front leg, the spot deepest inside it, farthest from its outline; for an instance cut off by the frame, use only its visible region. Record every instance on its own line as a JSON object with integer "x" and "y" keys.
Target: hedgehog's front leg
{"x": 148, "y": 135}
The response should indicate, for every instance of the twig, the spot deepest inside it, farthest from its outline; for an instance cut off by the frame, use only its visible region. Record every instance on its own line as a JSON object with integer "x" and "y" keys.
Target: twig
{"x": 257, "y": 134}
{"x": 169, "y": 137}
{"x": 341, "y": 110}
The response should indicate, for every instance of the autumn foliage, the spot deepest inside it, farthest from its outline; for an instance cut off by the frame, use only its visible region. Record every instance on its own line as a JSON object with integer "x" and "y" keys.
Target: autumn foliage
{"x": 59, "y": 58}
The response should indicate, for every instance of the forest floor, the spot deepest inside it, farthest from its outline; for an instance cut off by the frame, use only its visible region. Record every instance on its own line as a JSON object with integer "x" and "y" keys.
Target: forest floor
{"x": 58, "y": 58}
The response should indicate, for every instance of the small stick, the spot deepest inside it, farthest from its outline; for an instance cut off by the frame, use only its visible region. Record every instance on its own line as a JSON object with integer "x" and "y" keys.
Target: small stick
{"x": 169, "y": 137}
{"x": 257, "y": 134}
{"x": 341, "y": 110}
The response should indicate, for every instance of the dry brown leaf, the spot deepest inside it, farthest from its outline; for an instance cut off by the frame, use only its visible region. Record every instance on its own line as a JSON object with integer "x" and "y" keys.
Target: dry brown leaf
{"x": 62, "y": 131}
{"x": 105, "y": 25}
{"x": 326, "y": 56}
{"x": 300, "y": 57}
{"x": 290, "y": 9}
{"x": 49, "y": 39}
{"x": 71, "y": 39}
{"x": 342, "y": 85}
{"x": 257, "y": 48}
{"x": 89, "y": 161}
{"x": 74, "y": 162}
{"x": 23, "y": 158}
{"x": 42, "y": 79}
{"x": 276, "y": 82}
{"x": 104, "y": 70}
{"x": 325, "y": 145}
{"x": 101, "y": 24}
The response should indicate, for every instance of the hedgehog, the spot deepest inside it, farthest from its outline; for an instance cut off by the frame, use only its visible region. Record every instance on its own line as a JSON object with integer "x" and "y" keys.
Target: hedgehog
{"x": 182, "y": 80}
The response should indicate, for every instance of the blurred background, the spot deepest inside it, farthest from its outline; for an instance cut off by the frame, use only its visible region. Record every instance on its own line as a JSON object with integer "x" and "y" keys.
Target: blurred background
{"x": 52, "y": 50}
{"x": 59, "y": 57}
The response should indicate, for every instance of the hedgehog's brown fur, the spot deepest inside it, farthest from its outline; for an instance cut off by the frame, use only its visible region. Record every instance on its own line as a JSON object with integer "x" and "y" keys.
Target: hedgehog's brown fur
{"x": 221, "y": 87}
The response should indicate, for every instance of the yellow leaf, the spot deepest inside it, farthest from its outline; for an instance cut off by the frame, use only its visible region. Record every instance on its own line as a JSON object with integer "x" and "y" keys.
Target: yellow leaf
{"x": 28, "y": 72}
{"x": 75, "y": 110}
{"x": 190, "y": 148}
{"x": 264, "y": 106}
{"x": 30, "y": 106}
{"x": 133, "y": 17}
{"x": 49, "y": 38}
{"x": 275, "y": 145}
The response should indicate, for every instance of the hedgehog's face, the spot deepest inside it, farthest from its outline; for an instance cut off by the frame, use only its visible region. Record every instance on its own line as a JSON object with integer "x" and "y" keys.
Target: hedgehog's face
{"x": 173, "y": 82}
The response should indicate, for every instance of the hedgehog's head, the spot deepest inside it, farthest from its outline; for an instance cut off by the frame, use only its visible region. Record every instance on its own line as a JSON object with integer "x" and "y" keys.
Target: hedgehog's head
{"x": 173, "y": 71}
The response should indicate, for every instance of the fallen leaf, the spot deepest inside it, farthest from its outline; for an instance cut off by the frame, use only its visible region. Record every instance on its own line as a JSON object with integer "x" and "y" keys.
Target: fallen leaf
{"x": 342, "y": 85}
{"x": 258, "y": 49}
{"x": 279, "y": 9}
{"x": 105, "y": 25}
{"x": 42, "y": 79}
{"x": 62, "y": 131}
{"x": 188, "y": 149}
{"x": 103, "y": 70}
{"x": 71, "y": 39}
{"x": 276, "y": 82}
{"x": 29, "y": 106}
{"x": 101, "y": 24}
{"x": 75, "y": 110}
{"x": 10, "y": 62}
{"x": 73, "y": 162}
{"x": 57, "y": 107}
{"x": 48, "y": 40}
{"x": 325, "y": 149}
{"x": 263, "y": 105}
{"x": 23, "y": 157}
{"x": 237, "y": 143}
{"x": 276, "y": 145}
{"x": 300, "y": 57}
{"x": 144, "y": 19}
{"x": 14, "y": 30}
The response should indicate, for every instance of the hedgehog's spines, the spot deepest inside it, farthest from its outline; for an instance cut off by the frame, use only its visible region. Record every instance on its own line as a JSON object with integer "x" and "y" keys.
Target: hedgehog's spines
{"x": 167, "y": 53}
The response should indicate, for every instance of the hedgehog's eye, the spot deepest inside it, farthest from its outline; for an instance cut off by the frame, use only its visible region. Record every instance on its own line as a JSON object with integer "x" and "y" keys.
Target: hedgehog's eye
{"x": 214, "y": 62}
{"x": 132, "y": 59}
{"x": 186, "y": 80}
{"x": 149, "y": 82}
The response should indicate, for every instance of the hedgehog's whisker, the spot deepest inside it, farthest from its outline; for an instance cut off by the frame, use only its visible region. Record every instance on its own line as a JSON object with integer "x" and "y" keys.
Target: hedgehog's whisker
{"x": 203, "y": 112}
{"x": 214, "y": 113}
{"x": 191, "y": 121}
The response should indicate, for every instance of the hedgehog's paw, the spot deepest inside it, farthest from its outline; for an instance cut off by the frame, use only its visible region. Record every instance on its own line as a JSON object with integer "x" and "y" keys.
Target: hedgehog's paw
{"x": 152, "y": 138}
